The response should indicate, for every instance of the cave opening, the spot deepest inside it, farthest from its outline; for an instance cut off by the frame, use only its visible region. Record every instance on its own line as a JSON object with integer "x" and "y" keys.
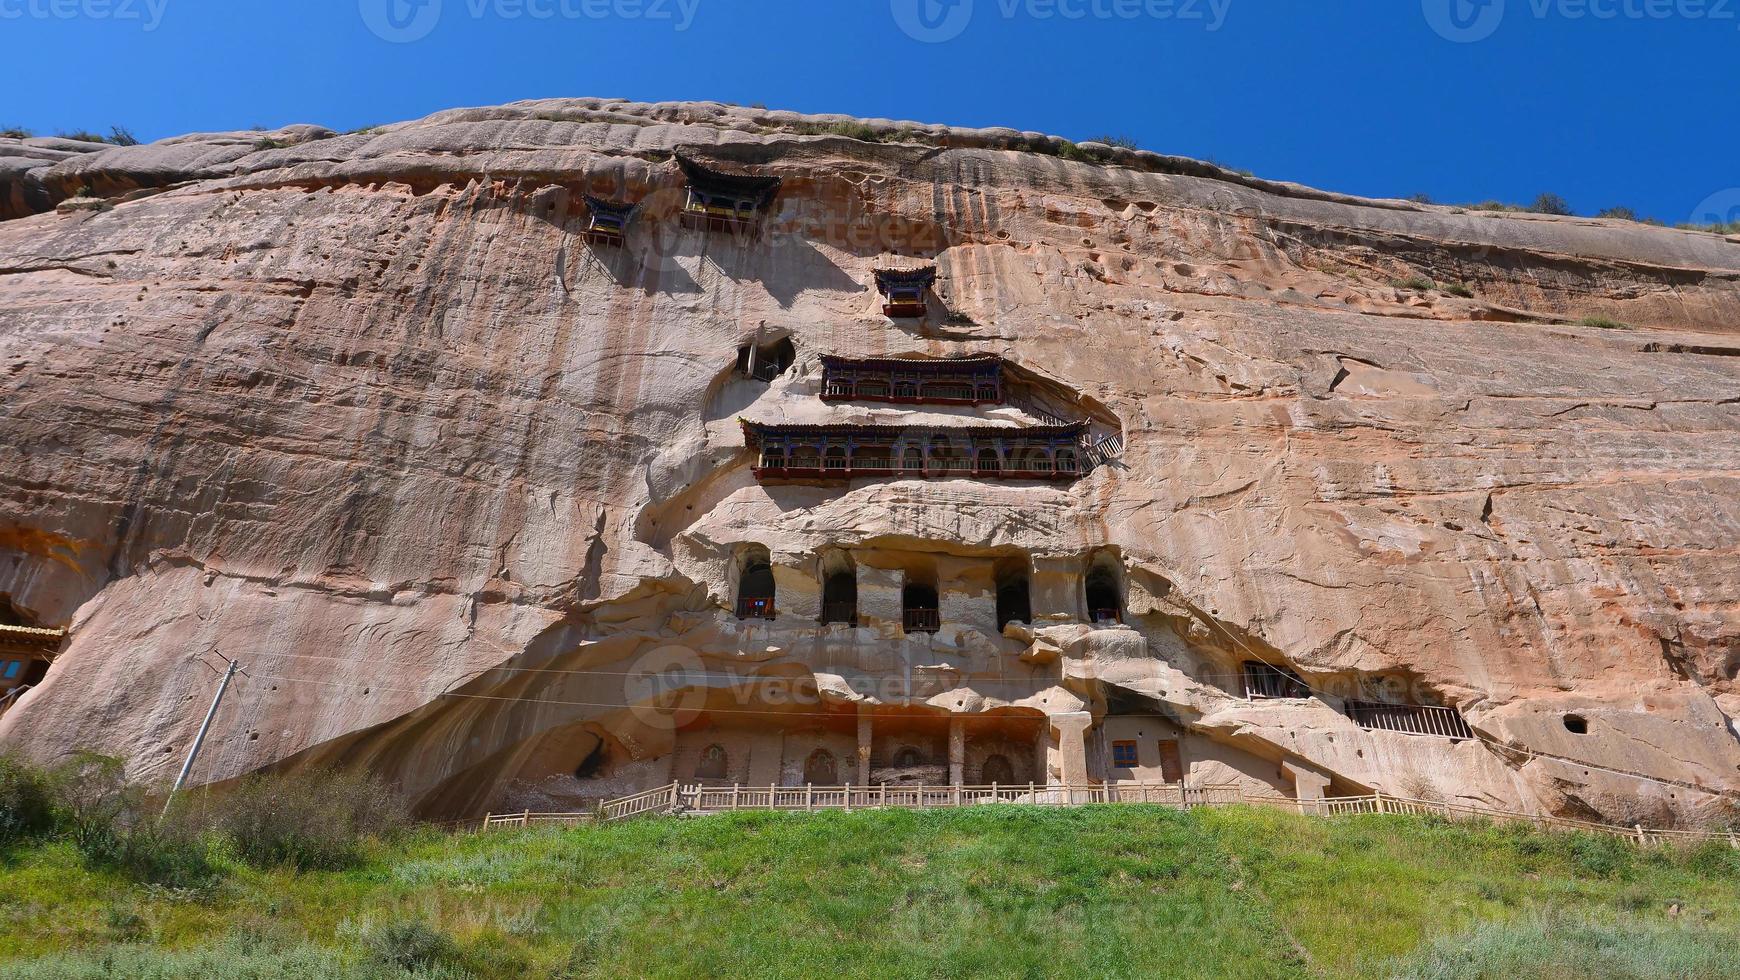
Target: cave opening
{"x": 839, "y": 589}
{"x": 755, "y": 588}
{"x": 1104, "y": 588}
{"x": 1014, "y": 598}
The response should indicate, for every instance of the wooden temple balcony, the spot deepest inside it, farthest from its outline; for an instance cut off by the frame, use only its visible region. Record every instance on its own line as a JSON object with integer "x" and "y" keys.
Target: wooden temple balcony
{"x": 931, "y": 381}
{"x": 1409, "y": 719}
{"x": 904, "y": 290}
{"x": 844, "y": 613}
{"x": 607, "y": 221}
{"x": 755, "y": 607}
{"x": 846, "y": 452}
{"x": 922, "y": 621}
{"x": 1264, "y": 680}
{"x": 728, "y": 202}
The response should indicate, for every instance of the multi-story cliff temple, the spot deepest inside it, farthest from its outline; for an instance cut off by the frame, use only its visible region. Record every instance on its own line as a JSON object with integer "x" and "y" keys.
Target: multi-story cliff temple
{"x": 449, "y": 498}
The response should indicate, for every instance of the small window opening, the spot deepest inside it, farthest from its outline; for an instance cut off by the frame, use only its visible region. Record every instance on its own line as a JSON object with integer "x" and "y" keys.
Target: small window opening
{"x": 1124, "y": 755}
{"x": 767, "y": 361}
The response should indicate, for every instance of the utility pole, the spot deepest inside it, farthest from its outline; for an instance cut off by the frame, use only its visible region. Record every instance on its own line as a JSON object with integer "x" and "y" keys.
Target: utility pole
{"x": 204, "y": 727}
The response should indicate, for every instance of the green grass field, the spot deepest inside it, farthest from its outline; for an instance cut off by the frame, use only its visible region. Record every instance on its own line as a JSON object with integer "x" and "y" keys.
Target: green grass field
{"x": 998, "y": 891}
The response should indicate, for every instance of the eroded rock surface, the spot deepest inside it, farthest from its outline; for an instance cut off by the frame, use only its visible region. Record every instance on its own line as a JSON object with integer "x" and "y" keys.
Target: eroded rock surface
{"x": 470, "y": 499}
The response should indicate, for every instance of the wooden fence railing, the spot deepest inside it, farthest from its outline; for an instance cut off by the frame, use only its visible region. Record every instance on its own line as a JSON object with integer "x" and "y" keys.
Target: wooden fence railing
{"x": 723, "y": 799}
{"x": 1384, "y": 803}
{"x": 676, "y": 798}
{"x": 662, "y": 800}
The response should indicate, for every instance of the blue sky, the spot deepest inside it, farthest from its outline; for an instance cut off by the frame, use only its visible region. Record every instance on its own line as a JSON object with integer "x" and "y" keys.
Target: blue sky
{"x": 1604, "y": 102}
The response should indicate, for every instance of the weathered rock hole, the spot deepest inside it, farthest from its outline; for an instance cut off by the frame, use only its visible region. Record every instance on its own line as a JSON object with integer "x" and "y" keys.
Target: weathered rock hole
{"x": 593, "y": 762}
{"x": 1577, "y": 724}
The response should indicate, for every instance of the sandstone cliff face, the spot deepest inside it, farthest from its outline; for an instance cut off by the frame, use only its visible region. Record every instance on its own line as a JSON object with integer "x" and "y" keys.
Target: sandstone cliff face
{"x": 366, "y": 413}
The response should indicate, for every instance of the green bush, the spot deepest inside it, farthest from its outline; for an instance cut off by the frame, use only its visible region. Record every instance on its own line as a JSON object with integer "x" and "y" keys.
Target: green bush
{"x": 26, "y": 801}
{"x": 1563, "y": 946}
{"x": 1551, "y": 204}
{"x": 95, "y": 804}
{"x": 1115, "y": 139}
{"x": 851, "y": 130}
{"x": 1070, "y": 151}
{"x": 16, "y": 133}
{"x": 1422, "y": 284}
{"x": 111, "y": 824}
{"x": 1604, "y": 323}
{"x": 235, "y": 957}
{"x": 307, "y": 820}
{"x": 410, "y": 946}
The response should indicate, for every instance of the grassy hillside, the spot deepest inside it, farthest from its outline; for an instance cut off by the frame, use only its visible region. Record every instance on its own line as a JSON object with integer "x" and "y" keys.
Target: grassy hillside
{"x": 1004, "y": 891}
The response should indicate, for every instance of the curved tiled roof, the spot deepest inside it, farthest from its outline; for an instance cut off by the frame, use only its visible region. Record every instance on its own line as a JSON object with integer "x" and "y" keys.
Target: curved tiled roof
{"x": 759, "y": 189}
{"x": 887, "y": 279}
{"x": 617, "y": 209}
{"x": 753, "y": 431}
{"x": 965, "y": 360}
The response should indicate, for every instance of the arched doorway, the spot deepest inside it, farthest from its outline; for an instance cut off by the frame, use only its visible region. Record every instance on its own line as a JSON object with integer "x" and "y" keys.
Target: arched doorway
{"x": 839, "y": 588}
{"x": 1013, "y": 602}
{"x": 997, "y": 769}
{"x": 1104, "y": 588}
{"x": 755, "y": 584}
{"x": 922, "y": 611}
{"x": 908, "y": 757}
{"x": 821, "y": 769}
{"x": 713, "y": 763}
